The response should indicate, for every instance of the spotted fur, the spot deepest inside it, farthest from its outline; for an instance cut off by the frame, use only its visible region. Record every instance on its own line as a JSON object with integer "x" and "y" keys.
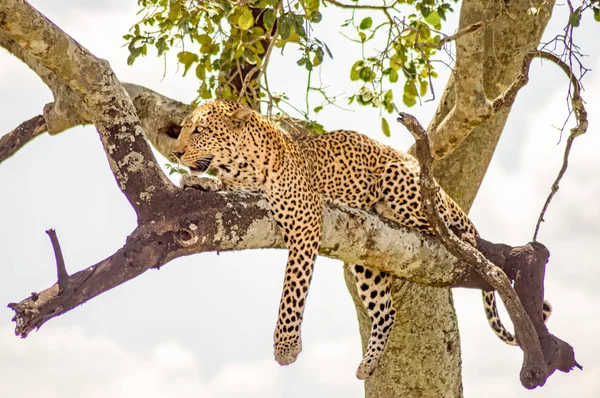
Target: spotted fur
{"x": 491, "y": 312}
{"x": 298, "y": 175}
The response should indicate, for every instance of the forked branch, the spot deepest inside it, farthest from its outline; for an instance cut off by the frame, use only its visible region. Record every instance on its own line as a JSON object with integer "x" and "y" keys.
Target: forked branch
{"x": 536, "y": 365}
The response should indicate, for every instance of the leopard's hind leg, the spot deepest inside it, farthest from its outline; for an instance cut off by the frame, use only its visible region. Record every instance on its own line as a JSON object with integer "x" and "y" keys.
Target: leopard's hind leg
{"x": 374, "y": 290}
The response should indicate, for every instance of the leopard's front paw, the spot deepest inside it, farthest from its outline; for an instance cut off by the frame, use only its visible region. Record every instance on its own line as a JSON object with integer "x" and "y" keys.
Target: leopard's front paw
{"x": 287, "y": 348}
{"x": 201, "y": 183}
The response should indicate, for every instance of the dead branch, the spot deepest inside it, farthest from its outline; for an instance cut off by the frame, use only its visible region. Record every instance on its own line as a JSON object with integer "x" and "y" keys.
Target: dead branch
{"x": 537, "y": 364}
{"x": 25, "y": 132}
{"x": 61, "y": 269}
{"x": 581, "y": 125}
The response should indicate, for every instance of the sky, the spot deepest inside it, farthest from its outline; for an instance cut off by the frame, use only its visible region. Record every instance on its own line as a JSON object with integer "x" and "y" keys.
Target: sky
{"x": 202, "y": 325}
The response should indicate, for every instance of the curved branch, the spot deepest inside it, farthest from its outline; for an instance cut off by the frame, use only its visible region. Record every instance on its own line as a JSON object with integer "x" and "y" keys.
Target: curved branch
{"x": 10, "y": 143}
{"x": 108, "y": 105}
{"x": 537, "y": 364}
{"x": 160, "y": 116}
{"x": 230, "y": 221}
{"x": 579, "y": 129}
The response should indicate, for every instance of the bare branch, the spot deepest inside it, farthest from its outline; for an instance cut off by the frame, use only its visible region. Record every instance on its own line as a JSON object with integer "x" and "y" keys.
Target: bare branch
{"x": 579, "y": 129}
{"x": 361, "y": 6}
{"x": 534, "y": 371}
{"x": 25, "y": 132}
{"x": 61, "y": 269}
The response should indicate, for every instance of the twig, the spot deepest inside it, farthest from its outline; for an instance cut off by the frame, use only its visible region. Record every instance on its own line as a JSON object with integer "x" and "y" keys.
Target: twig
{"x": 16, "y": 139}
{"x": 61, "y": 269}
{"x": 468, "y": 29}
{"x": 579, "y": 129}
{"x": 533, "y": 372}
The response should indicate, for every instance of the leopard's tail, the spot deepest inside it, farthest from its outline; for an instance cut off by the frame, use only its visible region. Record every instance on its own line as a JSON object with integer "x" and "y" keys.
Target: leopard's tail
{"x": 491, "y": 313}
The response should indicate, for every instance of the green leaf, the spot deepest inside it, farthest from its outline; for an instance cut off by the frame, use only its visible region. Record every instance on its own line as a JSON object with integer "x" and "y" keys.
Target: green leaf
{"x": 318, "y": 58}
{"x": 393, "y": 76}
{"x": 134, "y": 52}
{"x": 318, "y": 109}
{"x": 366, "y": 23}
{"x": 423, "y": 88}
{"x": 200, "y": 72}
{"x": 441, "y": 13}
{"x": 597, "y": 14}
{"x": 366, "y": 74}
{"x": 409, "y": 100}
{"x": 575, "y": 17}
{"x": 299, "y": 25}
{"x": 246, "y": 19}
{"x": 385, "y": 127}
{"x": 355, "y": 70}
{"x": 410, "y": 87}
{"x": 187, "y": 59}
{"x": 284, "y": 27}
{"x": 204, "y": 39}
{"x": 316, "y": 17}
{"x": 249, "y": 57}
{"x": 161, "y": 46}
{"x": 269, "y": 18}
{"x": 433, "y": 19}
{"x": 312, "y": 6}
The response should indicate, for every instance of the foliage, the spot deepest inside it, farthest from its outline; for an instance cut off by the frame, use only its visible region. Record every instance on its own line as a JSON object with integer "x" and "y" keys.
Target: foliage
{"x": 216, "y": 38}
{"x": 224, "y": 41}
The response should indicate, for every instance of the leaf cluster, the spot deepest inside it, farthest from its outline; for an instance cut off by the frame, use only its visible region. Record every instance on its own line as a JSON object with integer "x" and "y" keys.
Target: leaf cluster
{"x": 217, "y": 39}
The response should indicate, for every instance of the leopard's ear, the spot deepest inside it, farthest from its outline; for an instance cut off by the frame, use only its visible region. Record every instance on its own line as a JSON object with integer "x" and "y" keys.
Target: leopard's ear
{"x": 242, "y": 115}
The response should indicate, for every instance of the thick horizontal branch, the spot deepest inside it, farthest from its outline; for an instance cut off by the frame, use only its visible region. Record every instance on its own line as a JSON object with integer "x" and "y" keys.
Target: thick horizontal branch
{"x": 229, "y": 221}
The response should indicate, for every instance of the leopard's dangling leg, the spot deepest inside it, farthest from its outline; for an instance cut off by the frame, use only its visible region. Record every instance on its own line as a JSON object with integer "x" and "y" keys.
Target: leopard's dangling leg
{"x": 375, "y": 291}
{"x": 301, "y": 228}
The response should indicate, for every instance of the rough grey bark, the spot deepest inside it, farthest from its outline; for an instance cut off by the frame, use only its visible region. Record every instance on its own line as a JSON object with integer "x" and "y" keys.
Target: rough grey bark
{"x": 460, "y": 173}
{"x": 160, "y": 116}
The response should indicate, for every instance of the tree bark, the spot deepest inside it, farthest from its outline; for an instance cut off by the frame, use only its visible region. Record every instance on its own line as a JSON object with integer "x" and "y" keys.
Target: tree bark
{"x": 426, "y": 325}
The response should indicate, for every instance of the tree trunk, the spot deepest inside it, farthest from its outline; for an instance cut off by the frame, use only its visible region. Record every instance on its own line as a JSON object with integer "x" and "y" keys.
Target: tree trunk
{"x": 423, "y": 357}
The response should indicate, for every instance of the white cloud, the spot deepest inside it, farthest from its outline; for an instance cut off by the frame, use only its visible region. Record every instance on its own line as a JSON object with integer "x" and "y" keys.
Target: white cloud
{"x": 67, "y": 362}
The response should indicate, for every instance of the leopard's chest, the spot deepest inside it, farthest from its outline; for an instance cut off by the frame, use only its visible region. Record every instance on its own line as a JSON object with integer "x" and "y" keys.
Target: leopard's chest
{"x": 242, "y": 176}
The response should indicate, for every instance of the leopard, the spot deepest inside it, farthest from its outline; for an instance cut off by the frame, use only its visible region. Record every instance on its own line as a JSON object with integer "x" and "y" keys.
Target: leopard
{"x": 299, "y": 174}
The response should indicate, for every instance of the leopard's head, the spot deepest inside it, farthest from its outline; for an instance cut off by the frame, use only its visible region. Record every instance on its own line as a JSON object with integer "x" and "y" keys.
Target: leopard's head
{"x": 210, "y": 135}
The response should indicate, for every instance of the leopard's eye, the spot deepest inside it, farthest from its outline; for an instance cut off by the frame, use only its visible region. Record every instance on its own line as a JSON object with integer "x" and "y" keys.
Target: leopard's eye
{"x": 197, "y": 130}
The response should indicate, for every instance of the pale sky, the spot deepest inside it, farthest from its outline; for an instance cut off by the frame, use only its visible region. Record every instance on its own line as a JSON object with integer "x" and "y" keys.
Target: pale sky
{"x": 202, "y": 325}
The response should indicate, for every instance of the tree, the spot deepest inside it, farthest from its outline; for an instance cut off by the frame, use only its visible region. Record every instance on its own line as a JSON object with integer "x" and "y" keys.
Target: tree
{"x": 159, "y": 121}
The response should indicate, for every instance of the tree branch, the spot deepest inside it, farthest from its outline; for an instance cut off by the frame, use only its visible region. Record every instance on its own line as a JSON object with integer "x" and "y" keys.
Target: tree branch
{"x": 581, "y": 125}
{"x": 536, "y": 367}
{"x": 61, "y": 269}
{"x": 160, "y": 116}
{"x": 109, "y": 106}
{"x": 10, "y": 143}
